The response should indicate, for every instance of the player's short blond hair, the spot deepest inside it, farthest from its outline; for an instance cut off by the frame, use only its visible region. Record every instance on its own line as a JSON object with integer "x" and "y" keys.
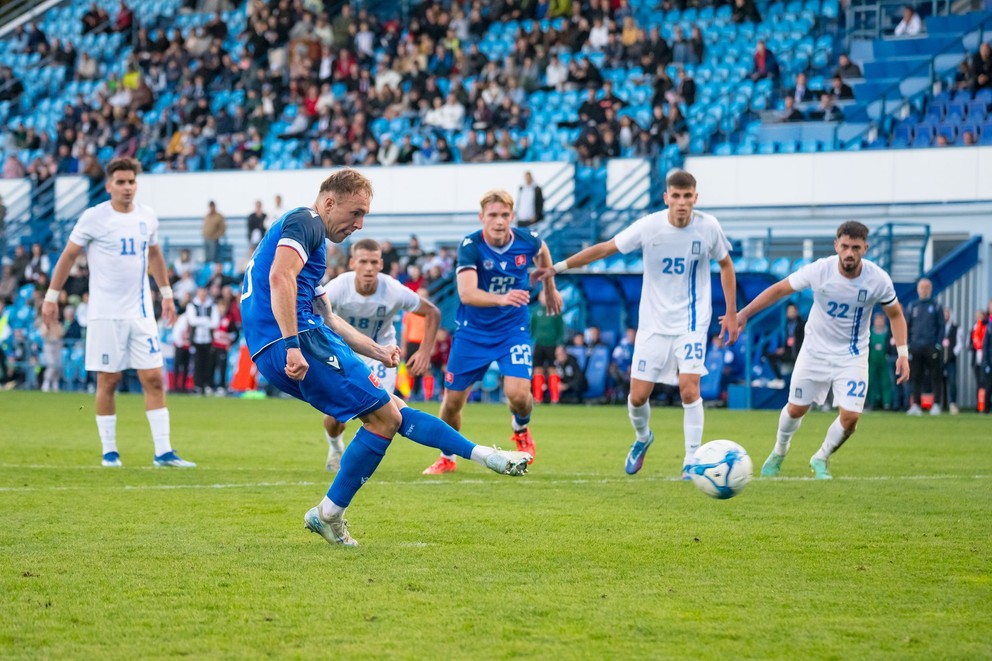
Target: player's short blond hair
{"x": 347, "y": 182}
{"x": 496, "y": 195}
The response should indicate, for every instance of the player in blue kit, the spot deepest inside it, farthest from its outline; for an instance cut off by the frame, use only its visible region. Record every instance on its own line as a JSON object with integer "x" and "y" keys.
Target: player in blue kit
{"x": 493, "y": 318}
{"x": 300, "y": 355}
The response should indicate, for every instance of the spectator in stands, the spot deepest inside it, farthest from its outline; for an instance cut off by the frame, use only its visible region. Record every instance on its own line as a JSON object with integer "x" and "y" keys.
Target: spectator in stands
{"x": 981, "y": 68}
{"x": 256, "y": 225}
{"x": 388, "y": 152}
{"x": 589, "y": 148}
{"x": 968, "y": 138}
{"x": 571, "y": 379}
{"x": 765, "y": 64}
{"x": 678, "y": 129}
{"x": 9, "y": 282}
{"x": 952, "y": 344}
{"x": 745, "y": 11}
{"x": 12, "y": 168}
{"x": 847, "y": 69}
{"x": 214, "y": 229}
{"x": 620, "y": 364}
{"x": 801, "y": 93}
{"x": 911, "y": 24}
{"x": 95, "y": 20}
{"x": 790, "y": 113}
{"x": 839, "y": 90}
{"x": 407, "y": 150}
{"x": 925, "y": 320}
{"x": 530, "y": 203}
{"x": 38, "y": 264}
{"x": 224, "y": 337}
{"x": 826, "y": 111}
{"x": 51, "y": 354}
{"x": 20, "y": 263}
{"x": 555, "y": 74}
{"x": 11, "y": 88}
{"x": 681, "y": 49}
{"x": 941, "y": 141}
{"x": 697, "y": 45}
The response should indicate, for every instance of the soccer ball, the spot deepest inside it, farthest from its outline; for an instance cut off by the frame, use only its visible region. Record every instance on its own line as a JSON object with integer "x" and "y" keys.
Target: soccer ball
{"x": 721, "y": 469}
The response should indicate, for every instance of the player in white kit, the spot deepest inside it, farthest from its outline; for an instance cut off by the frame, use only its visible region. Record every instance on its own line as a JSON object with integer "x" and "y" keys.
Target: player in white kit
{"x": 121, "y": 243}
{"x": 834, "y": 354}
{"x": 369, "y": 301}
{"x": 675, "y": 310}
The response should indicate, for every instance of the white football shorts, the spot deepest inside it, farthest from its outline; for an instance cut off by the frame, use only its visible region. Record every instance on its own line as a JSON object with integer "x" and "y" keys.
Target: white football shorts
{"x": 386, "y": 375}
{"x": 814, "y": 376}
{"x": 114, "y": 345}
{"x": 661, "y": 358}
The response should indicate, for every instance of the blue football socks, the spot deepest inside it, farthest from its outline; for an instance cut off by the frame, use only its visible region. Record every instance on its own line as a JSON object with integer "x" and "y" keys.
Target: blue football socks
{"x": 520, "y": 422}
{"x": 358, "y": 462}
{"x": 433, "y": 432}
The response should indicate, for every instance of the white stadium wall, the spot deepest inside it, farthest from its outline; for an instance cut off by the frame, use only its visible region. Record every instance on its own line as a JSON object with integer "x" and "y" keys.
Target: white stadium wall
{"x": 898, "y": 176}
{"x": 442, "y": 189}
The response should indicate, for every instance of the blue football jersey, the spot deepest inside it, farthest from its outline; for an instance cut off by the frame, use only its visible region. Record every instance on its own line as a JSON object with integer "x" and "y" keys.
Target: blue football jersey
{"x": 500, "y": 270}
{"x": 302, "y": 230}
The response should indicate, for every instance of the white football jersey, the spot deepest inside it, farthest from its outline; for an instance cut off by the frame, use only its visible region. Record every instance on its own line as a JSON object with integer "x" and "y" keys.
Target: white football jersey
{"x": 373, "y": 316}
{"x": 675, "y": 294}
{"x": 840, "y": 321}
{"x": 117, "y": 250}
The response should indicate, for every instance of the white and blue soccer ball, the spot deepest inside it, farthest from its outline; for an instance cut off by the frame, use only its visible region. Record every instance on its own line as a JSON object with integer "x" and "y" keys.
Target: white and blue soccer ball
{"x": 721, "y": 469}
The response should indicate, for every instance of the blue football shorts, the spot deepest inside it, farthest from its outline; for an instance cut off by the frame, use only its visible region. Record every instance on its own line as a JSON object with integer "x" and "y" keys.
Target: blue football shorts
{"x": 337, "y": 383}
{"x": 470, "y": 358}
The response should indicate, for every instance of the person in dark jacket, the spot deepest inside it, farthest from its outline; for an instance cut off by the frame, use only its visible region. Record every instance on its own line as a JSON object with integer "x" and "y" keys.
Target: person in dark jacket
{"x": 788, "y": 351}
{"x": 572, "y": 380}
{"x": 925, "y": 319}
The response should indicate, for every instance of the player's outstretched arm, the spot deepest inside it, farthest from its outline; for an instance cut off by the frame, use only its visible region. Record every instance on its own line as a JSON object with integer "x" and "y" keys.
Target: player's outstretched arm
{"x": 900, "y": 333}
{"x": 578, "y": 260}
{"x": 470, "y": 294}
{"x": 728, "y": 279}
{"x": 156, "y": 266}
{"x": 286, "y": 266}
{"x": 771, "y": 295}
{"x": 420, "y": 361}
{"x": 50, "y": 308}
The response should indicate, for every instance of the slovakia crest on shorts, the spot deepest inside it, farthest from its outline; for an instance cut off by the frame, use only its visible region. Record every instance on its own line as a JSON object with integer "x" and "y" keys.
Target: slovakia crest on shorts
{"x": 697, "y": 247}
{"x": 520, "y": 260}
{"x": 862, "y": 295}
{"x": 488, "y": 264}
{"x": 449, "y": 377}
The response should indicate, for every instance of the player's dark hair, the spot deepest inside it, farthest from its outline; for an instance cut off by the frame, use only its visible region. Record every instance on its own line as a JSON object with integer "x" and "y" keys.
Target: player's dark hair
{"x": 347, "y": 182}
{"x": 123, "y": 164}
{"x": 853, "y": 229}
{"x": 365, "y": 244}
{"x": 680, "y": 179}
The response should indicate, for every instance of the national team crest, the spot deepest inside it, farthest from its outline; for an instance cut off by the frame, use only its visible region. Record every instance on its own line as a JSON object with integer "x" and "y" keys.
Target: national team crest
{"x": 520, "y": 260}
{"x": 375, "y": 380}
{"x": 862, "y": 295}
{"x": 488, "y": 264}
{"x": 697, "y": 247}
{"x": 105, "y": 359}
{"x": 449, "y": 377}
{"x": 380, "y": 311}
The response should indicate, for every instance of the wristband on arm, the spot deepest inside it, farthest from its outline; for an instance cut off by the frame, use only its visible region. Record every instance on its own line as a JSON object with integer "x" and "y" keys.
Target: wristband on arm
{"x": 561, "y": 266}
{"x": 166, "y": 292}
{"x": 52, "y": 295}
{"x": 902, "y": 351}
{"x": 291, "y": 342}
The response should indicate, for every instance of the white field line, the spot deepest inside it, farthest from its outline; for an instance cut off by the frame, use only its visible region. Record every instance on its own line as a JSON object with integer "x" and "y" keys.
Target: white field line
{"x": 457, "y": 482}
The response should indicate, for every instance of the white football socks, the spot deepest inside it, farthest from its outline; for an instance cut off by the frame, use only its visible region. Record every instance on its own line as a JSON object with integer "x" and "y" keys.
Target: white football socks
{"x": 640, "y": 418}
{"x": 692, "y": 424}
{"x": 787, "y": 426}
{"x": 158, "y": 420}
{"x": 836, "y": 435}
{"x": 479, "y": 454}
{"x": 106, "y": 425}
{"x": 336, "y": 442}
{"x": 328, "y": 510}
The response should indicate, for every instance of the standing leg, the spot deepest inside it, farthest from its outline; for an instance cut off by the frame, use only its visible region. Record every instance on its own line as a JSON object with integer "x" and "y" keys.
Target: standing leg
{"x": 518, "y": 395}
{"x": 842, "y": 428}
{"x": 692, "y": 418}
{"x": 158, "y": 419}
{"x": 788, "y": 423}
{"x": 106, "y": 416}
{"x": 639, "y": 412}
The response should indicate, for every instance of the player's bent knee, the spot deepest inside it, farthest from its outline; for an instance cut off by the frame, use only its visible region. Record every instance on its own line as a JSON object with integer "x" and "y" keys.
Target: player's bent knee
{"x": 384, "y": 421}
{"x": 797, "y": 411}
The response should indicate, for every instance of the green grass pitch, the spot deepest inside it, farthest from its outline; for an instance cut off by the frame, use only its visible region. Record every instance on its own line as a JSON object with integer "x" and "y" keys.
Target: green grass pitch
{"x": 575, "y": 560}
